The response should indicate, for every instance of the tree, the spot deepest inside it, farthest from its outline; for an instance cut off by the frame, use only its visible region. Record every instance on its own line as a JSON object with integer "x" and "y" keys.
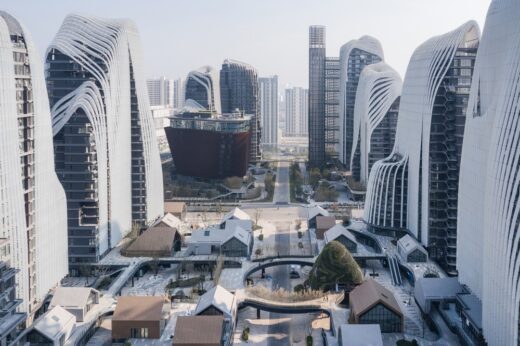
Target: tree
{"x": 314, "y": 177}
{"x": 218, "y": 270}
{"x": 334, "y": 265}
{"x": 257, "y": 215}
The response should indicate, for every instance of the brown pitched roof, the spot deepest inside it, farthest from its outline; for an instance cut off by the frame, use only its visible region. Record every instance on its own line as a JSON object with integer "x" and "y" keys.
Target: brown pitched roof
{"x": 325, "y": 222}
{"x": 159, "y": 238}
{"x": 369, "y": 294}
{"x": 174, "y": 207}
{"x": 198, "y": 330}
{"x": 135, "y": 308}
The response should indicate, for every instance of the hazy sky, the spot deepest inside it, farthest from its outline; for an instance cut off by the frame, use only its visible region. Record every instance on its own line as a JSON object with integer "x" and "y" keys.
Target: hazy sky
{"x": 181, "y": 35}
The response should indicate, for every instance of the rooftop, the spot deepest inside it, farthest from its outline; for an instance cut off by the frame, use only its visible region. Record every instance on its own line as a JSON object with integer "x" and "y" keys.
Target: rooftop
{"x": 370, "y": 293}
{"x": 55, "y": 323}
{"x": 361, "y": 335}
{"x": 71, "y": 296}
{"x": 317, "y": 210}
{"x": 138, "y": 308}
{"x": 155, "y": 239}
{"x": 237, "y": 214}
{"x": 219, "y": 298}
{"x": 325, "y": 222}
{"x": 169, "y": 220}
{"x": 188, "y": 330}
{"x": 473, "y": 308}
{"x": 174, "y": 207}
{"x": 336, "y": 231}
{"x": 216, "y": 235}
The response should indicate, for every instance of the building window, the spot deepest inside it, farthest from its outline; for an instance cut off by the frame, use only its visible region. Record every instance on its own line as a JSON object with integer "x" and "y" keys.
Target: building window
{"x": 139, "y": 332}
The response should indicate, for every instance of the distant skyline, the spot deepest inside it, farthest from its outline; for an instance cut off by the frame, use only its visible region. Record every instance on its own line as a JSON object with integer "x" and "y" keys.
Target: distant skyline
{"x": 272, "y": 35}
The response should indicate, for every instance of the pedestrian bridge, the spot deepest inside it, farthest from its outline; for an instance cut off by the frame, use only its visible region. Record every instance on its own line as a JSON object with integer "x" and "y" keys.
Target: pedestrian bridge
{"x": 320, "y": 305}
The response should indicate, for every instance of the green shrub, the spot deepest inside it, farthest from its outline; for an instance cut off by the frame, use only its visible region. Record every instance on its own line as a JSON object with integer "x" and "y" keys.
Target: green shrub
{"x": 261, "y": 236}
{"x": 245, "y": 334}
{"x": 309, "y": 340}
{"x": 334, "y": 265}
{"x": 299, "y": 288}
{"x": 300, "y": 234}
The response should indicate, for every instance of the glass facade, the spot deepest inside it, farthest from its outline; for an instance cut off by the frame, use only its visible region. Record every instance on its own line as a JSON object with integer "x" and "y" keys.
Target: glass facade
{"x": 332, "y": 72}
{"x": 446, "y": 135}
{"x": 239, "y": 91}
{"x": 357, "y": 61}
{"x": 316, "y": 96}
{"x": 389, "y": 321}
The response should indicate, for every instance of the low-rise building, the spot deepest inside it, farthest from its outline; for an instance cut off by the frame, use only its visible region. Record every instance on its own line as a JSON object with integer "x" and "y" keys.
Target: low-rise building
{"x": 469, "y": 308}
{"x": 410, "y": 250}
{"x": 323, "y": 224}
{"x": 342, "y": 235}
{"x": 200, "y": 331}
{"x": 220, "y": 302}
{"x": 52, "y": 329}
{"x": 230, "y": 242}
{"x": 371, "y": 303}
{"x": 360, "y": 335}
{"x": 177, "y": 209}
{"x": 313, "y": 213}
{"x": 436, "y": 291}
{"x": 76, "y": 300}
{"x": 167, "y": 220}
{"x": 235, "y": 214}
{"x": 157, "y": 241}
{"x": 139, "y": 317}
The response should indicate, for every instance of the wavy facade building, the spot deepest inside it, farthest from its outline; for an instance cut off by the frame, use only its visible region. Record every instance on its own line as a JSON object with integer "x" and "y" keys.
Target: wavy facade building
{"x": 239, "y": 91}
{"x": 32, "y": 205}
{"x": 375, "y": 118}
{"x": 416, "y": 187}
{"x": 106, "y": 152}
{"x": 202, "y": 86}
{"x": 488, "y": 224}
{"x": 353, "y": 57}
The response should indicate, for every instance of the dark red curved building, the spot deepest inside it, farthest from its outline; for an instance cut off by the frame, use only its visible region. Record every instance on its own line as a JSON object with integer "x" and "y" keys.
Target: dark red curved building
{"x": 209, "y": 145}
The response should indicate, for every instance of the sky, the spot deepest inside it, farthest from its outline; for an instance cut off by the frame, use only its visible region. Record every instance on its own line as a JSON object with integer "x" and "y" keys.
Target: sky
{"x": 272, "y": 35}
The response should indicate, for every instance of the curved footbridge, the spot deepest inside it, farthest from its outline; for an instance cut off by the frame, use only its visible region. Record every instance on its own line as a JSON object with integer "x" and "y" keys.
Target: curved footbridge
{"x": 327, "y": 305}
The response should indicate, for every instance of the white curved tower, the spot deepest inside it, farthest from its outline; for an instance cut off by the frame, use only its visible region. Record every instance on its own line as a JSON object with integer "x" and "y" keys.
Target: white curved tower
{"x": 202, "y": 86}
{"x": 353, "y": 57}
{"x": 488, "y": 223}
{"x": 106, "y": 152}
{"x": 33, "y": 210}
{"x": 429, "y": 141}
{"x": 375, "y": 117}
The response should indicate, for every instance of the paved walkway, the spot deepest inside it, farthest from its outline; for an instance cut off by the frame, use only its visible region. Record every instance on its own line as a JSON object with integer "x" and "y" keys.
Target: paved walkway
{"x": 281, "y": 191}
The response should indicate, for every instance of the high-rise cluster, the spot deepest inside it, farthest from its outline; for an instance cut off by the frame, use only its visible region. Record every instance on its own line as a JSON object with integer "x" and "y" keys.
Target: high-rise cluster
{"x": 333, "y": 85}
{"x": 33, "y": 213}
{"x": 416, "y": 186}
{"x": 106, "y": 153}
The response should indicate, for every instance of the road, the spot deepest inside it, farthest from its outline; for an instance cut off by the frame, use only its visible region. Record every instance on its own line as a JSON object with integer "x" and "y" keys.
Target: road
{"x": 279, "y": 331}
{"x": 281, "y": 192}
